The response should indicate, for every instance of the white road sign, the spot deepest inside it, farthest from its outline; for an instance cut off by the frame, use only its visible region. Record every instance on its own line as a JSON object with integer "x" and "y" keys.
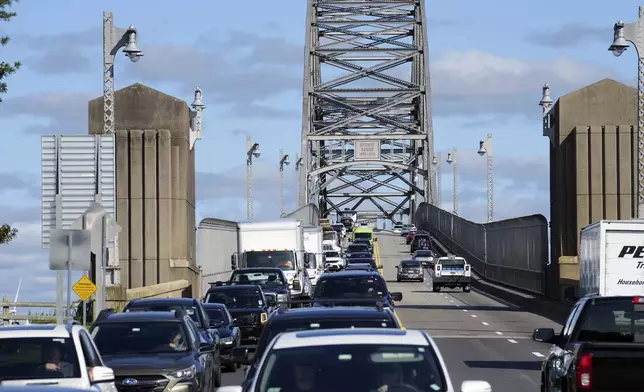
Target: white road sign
{"x": 367, "y": 150}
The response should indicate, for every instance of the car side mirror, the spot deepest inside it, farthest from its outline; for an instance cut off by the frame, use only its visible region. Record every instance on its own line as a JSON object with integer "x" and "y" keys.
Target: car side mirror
{"x": 544, "y": 335}
{"x": 101, "y": 374}
{"x": 235, "y": 322}
{"x": 569, "y": 295}
{"x": 206, "y": 347}
{"x": 476, "y": 386}
{"x": 397, "y": 266}
{"x": 240, "y": 355}
{"x": 233, "y": 261}
{"x": 375, "y": 239}
{"x": 396, "y": 296}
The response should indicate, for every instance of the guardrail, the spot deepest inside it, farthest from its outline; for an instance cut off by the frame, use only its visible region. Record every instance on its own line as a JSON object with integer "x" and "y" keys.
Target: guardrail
{"x": 7, "y": 318}
{"x": 513, "y": 252}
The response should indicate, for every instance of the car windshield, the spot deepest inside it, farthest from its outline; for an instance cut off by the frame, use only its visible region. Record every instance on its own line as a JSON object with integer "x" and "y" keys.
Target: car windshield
{"x": 37, "y": 358}
{"x": 282, "y": 259}
{"x": 612, "y": 321}
{"x": 370, "y": 262}
{"x": 381, "y": 367}
{"x": 140, "y": 337}
{"x": 192, "y": 311}
{"x": 407, "y": 226}
{"x": 262, "y": 278}
{"x": 215, "y": 314}
{"x": 329, "y": 236}
{"x": 410, "y": 264}
{"x": 353, "y": 248}
{"x": 331, "y": 254}
{"x": 350, "y": 287}
{"x": 241, "y": 299}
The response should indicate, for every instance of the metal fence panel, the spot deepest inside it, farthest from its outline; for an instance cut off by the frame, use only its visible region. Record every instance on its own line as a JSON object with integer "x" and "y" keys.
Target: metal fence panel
{"x": 513, "y": 252}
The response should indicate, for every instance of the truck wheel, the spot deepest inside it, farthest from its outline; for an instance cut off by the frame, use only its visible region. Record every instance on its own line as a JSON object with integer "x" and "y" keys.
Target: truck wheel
{"x": 397, "y": 279}
{"x": 436, "y": 289}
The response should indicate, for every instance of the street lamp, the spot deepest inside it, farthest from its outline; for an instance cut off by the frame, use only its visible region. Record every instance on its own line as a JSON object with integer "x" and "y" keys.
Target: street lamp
{"x": 623, "y": 33}
{"x": 437, "y": 164}
{"x": 252, "y": 151}
{"x": 298, "y": 163}
{"x": 196, "y": 114}
{"x": 114, "y": 39}
{"x": 485, "y": 148}
{"x": 452, "y": 160}
{"x": 283, "y": 161}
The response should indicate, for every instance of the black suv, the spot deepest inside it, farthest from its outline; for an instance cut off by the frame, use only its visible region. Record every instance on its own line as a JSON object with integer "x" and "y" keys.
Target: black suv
{"x": 273, "y": 282}
{"x": 416, "y": 242}
{"x": 365, "y": 241}
{"x": 313, "y": 318}
{"x": 229, "y": 334}
{"x": 247, "y": 304}
{"x": 353, "y": 288}
{"x": 191, "y": 306}
{"x": 156, "y": 351}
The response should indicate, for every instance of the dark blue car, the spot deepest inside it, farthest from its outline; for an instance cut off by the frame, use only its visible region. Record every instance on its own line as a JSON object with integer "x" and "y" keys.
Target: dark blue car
{"x": 353, "y": 288}
{"x": 229, "y": 333}
{"x": 273, "y": 282}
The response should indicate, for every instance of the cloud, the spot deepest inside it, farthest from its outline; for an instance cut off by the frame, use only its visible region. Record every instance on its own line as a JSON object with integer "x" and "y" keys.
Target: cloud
{"x": 479, "y": 83}
{"x": 570, "y": 35}
{"x": 62, "y": 112}
{"x": 19, "y": 181}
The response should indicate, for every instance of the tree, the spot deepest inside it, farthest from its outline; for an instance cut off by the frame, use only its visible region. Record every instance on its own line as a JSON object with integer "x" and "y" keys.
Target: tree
{"x": 7, "y": 233}
{"x": 6, "y": 69}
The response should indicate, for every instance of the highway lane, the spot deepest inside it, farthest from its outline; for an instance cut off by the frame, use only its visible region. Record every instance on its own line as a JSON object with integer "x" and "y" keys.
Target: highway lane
{"x": 480, "y": 337}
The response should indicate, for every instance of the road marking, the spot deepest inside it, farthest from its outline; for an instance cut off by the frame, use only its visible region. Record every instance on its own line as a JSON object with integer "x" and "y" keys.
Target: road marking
{"x": 464, "y": 310}
{"x": 536, "y": 354}
{"x": 499, "y": 333}
{"x": 473, "y": 315}
{"x": 476, "y": 337}
{"x": 484, "y": 323}
{"x": 451, "y": 300}
{"x": 512, "y": 341}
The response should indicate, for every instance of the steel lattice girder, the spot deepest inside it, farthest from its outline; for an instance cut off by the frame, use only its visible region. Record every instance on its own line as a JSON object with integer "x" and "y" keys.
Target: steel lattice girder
{"x": 366, "y": 89}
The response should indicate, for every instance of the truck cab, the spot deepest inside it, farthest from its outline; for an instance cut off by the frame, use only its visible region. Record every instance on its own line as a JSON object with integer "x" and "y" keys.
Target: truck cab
{"x": 451, "y": 271}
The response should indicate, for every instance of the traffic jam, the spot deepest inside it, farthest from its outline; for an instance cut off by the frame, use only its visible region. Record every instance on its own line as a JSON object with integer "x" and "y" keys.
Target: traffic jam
{"x": 321, "y": 320}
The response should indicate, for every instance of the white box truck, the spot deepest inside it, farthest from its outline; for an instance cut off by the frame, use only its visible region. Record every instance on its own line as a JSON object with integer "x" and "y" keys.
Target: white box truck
{"x": 313, "y": 244}
{"x": 611, "y": 258}
{"x": 275, "y": 244}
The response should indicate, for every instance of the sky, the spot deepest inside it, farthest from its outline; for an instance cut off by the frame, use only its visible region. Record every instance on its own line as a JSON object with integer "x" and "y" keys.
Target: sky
{"x": 487, "y": 62}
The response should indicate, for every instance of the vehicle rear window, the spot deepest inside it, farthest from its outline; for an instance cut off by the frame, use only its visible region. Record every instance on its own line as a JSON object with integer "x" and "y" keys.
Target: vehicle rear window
{"x": 411, "y": 263}
{"x": 353, "y": 248}
{"x": 612, "y": 321}
{"x": 192, "y": 311}
{"x": 331, "y": 254}
{"x": 452, "y": 263}
{"x": 147, "y": 337}
{"x": 424, "y": 253}
{"x": 25, "y": 358}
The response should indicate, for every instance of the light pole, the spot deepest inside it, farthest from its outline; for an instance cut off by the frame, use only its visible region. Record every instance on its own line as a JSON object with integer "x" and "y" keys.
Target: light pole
{"x": 452, "y": 159}
{"x": 252, "y": 151}
{"x": 623, "y": 33}
{"x": 298, "y": 163}
{"x": 113, "y": 40}
{"x": 196, "y": 114}
{"x": 437, "y": 164}
{"x": 283, "y": 161}
{"x": 485, "y": 148}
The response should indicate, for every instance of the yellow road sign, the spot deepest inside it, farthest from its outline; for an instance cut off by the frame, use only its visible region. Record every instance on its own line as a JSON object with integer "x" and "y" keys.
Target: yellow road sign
{"x": 84, "y": 288}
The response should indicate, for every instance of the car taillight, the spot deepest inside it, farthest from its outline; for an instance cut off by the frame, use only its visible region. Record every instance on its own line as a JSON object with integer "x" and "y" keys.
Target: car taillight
{"x": 584, "y": 371}
{"x": 438, "y": 267}
{"x": 638, "y": 300}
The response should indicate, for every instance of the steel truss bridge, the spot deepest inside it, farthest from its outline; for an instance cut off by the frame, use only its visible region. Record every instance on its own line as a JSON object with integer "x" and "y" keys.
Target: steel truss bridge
{"x": 367, "y": 124}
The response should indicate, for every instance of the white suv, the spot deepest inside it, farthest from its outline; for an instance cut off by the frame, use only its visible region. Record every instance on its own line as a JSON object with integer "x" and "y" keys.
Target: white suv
{"x": 359, "y": 359}
{"x": 64, "y": 355}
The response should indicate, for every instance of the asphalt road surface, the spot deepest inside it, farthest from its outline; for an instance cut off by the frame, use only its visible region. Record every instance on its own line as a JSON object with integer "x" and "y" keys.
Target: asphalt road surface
{"x": 480, "y": 337}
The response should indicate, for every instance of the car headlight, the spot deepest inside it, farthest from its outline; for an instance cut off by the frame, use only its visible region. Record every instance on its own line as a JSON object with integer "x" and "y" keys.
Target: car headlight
{"x": 263, "y": 318}
{"x": 185, "y": 374}
{"x": 226, "y": 340}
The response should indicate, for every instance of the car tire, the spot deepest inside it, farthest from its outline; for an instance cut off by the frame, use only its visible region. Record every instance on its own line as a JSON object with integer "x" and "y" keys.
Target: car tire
{"x": 436, "y": 289}
{"x": 422, "y": 280}
{"x": 217, "y": 377}
{"x": 466, "y": 289}
{"x": 398, "y": 280}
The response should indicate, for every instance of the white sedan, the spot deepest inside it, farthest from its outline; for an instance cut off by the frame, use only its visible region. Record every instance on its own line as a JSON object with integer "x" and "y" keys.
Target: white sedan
{"x": 374, "y": 359}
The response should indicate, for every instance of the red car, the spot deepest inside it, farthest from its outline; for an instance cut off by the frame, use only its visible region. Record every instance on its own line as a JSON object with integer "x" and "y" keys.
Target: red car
{"x": 410, "y": 237}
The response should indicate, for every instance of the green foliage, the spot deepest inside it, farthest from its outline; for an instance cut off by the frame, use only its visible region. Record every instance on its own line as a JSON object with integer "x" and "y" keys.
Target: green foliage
{"x": 6, "y": 69}
{"x": 7, "y": 233}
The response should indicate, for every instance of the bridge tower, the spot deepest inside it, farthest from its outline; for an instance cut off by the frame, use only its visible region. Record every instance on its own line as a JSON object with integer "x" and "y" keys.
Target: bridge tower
{"x": 366, "y": 118}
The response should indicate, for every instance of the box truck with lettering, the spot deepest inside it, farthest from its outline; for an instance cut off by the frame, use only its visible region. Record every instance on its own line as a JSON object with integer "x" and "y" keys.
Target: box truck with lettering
{"x": 611, "y": 258}
{"x": 276, "y": 244}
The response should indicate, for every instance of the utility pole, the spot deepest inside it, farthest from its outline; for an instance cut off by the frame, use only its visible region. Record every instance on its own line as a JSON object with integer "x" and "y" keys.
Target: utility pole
{"x": 252, "y": 151}
{"x": 113, "y": 40}
{"x": 283, "y": 161}
{"x": 485, "y": 148}
{"x": 452, "y": 159}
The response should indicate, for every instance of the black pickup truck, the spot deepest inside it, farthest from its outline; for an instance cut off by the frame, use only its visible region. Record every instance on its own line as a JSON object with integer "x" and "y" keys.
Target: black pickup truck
{"x": 600, "y": 347}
